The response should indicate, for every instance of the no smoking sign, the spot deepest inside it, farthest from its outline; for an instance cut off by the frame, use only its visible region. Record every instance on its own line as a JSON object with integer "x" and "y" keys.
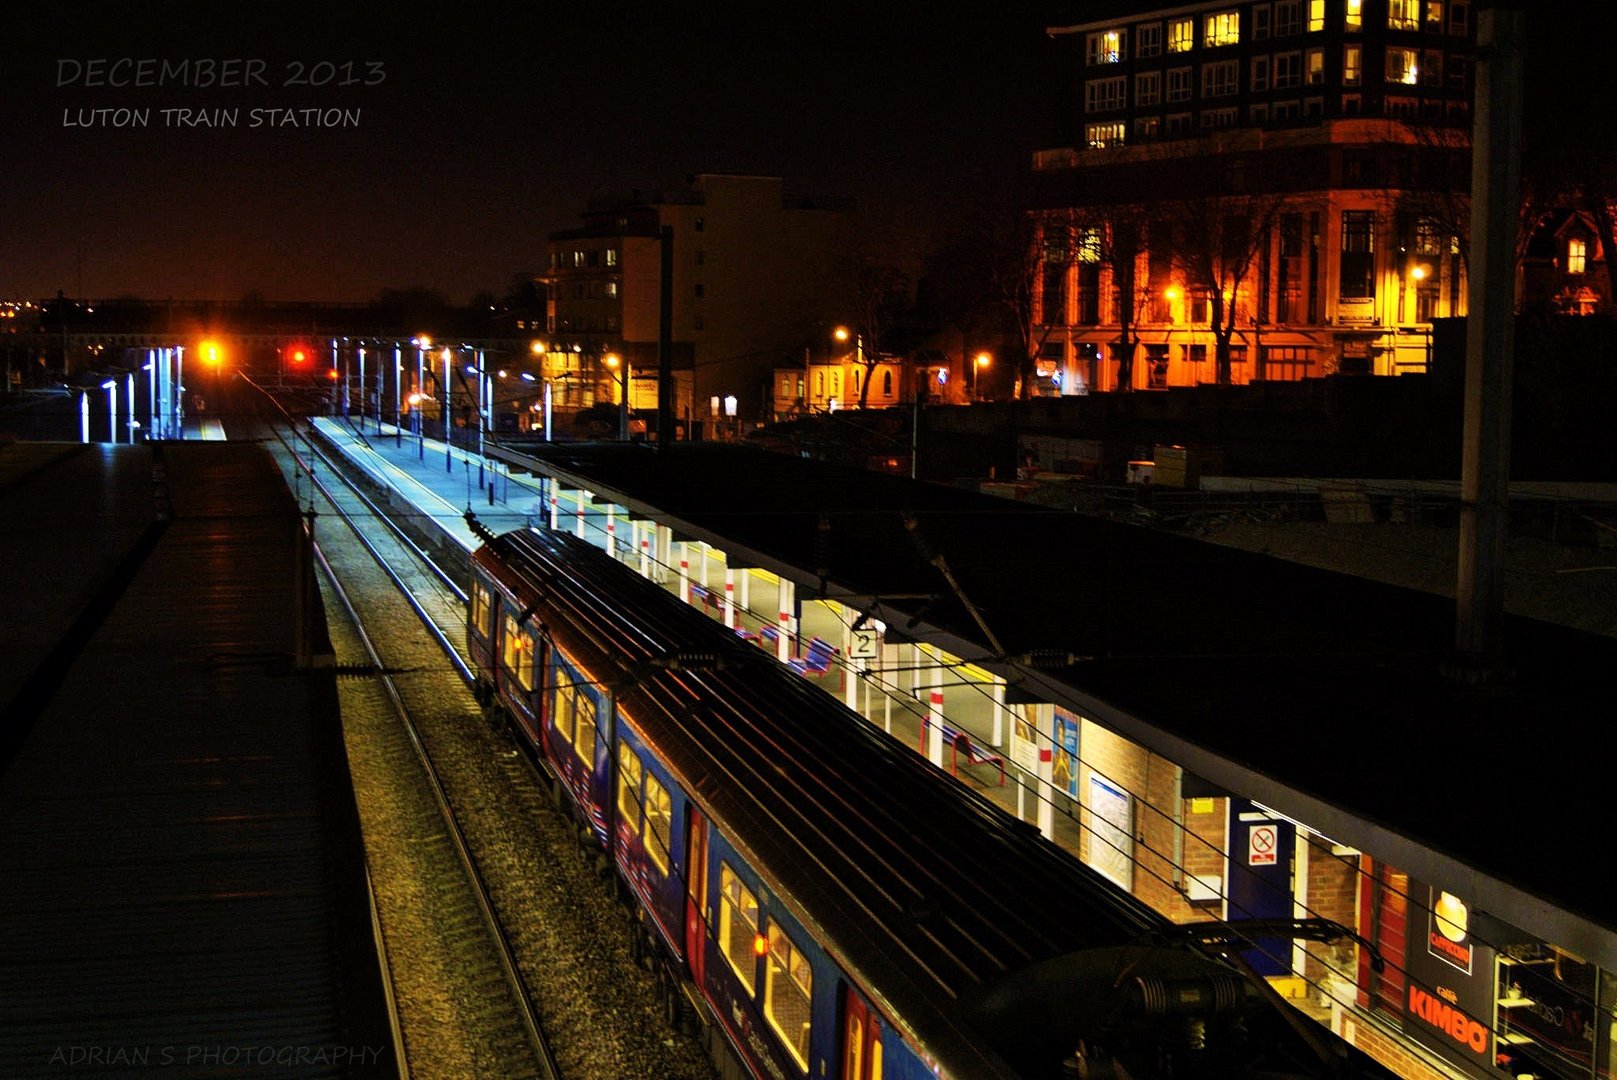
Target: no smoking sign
{"x": 1261, "y": 843}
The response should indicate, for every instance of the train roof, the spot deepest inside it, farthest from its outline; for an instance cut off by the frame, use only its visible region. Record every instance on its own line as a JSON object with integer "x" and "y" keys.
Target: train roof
{"x": 935, "y": 898}
{"x": 184, "y": 872}
{"x": 1320, "y": 694}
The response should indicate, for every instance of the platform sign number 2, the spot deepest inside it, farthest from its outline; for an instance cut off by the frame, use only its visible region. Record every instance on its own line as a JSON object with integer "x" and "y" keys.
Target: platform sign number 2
{"x": 866, "y": 644}
{"x": 1261, "y": 843}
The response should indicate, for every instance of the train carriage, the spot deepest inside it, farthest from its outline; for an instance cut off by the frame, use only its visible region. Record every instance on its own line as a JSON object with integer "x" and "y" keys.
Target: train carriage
{"x": 825, "y": 898}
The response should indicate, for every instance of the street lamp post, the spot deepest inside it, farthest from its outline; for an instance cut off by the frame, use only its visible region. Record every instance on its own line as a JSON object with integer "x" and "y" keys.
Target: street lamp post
{"x": 129, "y": 384}
{"x": 422, "y": 344}
{"x": 978, "y": 363}
{"x": 449, "y": 458}
{"x": 621, "y": 366}
{"x": 398, "y": 377}
{"x": 111, "y": 387}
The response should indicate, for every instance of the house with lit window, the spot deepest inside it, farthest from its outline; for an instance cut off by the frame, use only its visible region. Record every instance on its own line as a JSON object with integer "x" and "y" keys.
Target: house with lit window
{"x": 754, "y": 274}
{"x": 1563, "y": 269}
{"x": 1250, "y": 191}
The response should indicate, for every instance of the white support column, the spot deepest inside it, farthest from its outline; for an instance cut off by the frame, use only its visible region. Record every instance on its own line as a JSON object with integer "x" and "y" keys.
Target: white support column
{"x": 643, "y": 531}
{"x": 555, "y": 508}
{"x": 786, "y": 601}
{"x": 851, "y": 667}
{"x": 611, "y": 531}
{"x": 730, "y": 597}
{"x": 934, "y": 732}
{"x": 579, "y": 516}
{"x": 685, "y": 571}
{"x": 1044, "y": 717}
{"x": 999, "y": 713}
{"x": 665, "y": 552}
{"x": 1299, "y": 896}
{"x": 746, "y": 590}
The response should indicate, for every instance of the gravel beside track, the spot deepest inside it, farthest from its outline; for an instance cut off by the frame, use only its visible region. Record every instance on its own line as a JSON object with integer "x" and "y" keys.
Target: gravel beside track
{"x": 599, "y": 1008}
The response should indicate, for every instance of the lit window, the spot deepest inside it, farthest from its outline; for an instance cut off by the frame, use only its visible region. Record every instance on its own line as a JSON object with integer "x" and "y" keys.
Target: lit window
{"x": 584, "y": 733}
{"x": 1316, "y": 67}
{"x": 1100, "y": 136}
{"x": 1350, "y": 65}
{"x": 1105, "y": 47}
{"x": 1148, "y": 39}
{"x": 1148, "y": 88}
{"x": 1316, "y": 15}
{"x": 1434, "y": 15}
{"x": 1221, "y": 79}
{"x": 629, "y": 789}
{"x": 1221, "y": 28}
{"x": 659, "y": 811}
{"x": 788, "y": 994}
{"x": 738, "y": 926}
{"x": 612, "y": 288}
{"x": 1577, "y": 256}
{"x": 1354, "y": 20}
{"x": 1104, "y": 95}
{"x": 1403, "y": 66}
{"x": 1179, "y": 84}
{"x": 578, "y": 258}
{"x": 517, "y": 653}
{"x": 611, "y": 256}
{"x": 1089, "y": 245}
{"x": 482, "y": 609}
{"x": 1181, "y": 35}
{"x": 1403, "y": 14}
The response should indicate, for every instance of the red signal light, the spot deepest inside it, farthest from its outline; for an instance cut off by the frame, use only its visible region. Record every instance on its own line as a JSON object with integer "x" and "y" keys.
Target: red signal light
{"x": 332, "y": 374}
{"x": 299, "y": 355}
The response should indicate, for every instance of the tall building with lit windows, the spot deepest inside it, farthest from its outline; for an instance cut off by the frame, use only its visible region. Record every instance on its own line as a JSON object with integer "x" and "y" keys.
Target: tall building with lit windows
{"x": 1281, "y": 185}
{"x": 755, "y": 276}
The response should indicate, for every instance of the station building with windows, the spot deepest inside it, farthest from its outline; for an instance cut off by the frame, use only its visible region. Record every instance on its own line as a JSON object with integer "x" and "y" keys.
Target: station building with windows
{"x": 754, "y": 274}
{"x": 1291, "y": 172}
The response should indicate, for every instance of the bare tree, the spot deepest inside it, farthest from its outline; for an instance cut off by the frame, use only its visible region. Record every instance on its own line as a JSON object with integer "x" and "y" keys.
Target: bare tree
{"x": 881, "y": 295}
{"x": 1217, "y": 240}
{"x": 1117, "y": 237}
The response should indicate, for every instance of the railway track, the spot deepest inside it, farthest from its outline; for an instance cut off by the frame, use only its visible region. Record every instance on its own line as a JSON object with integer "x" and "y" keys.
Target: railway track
{"x": 509, "y": 956}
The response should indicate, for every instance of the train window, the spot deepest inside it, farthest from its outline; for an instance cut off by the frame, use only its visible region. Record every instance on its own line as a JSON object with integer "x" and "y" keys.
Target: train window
{"x": 629, "y": 788}
{"x": 517, "y": 653}
{"x": 738, "y": 926}
{"x": 659, "y": 822}
{"x": 584, "y": 737}
{"x": 482, "y": 610}
{"x": 788, "y": 992}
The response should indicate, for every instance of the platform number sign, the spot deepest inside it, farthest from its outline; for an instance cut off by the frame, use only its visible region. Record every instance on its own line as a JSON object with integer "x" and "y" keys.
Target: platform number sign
{"x": 1261, "y": 844}
{"x": 866, "y": 644}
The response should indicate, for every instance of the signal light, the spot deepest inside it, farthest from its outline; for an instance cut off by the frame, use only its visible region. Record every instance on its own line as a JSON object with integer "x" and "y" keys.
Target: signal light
{"x": 211, "y": 353}
{"x": 331, "y": 374}
{"x": 299, "y": 354}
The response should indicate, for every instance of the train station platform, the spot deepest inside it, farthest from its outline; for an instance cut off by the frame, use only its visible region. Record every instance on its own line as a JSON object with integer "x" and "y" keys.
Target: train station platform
{"x": 185, "y": 890}
{"x": 1184, "y": 709}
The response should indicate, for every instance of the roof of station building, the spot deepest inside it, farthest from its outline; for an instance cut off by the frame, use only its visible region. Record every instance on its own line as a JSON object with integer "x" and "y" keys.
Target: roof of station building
{"x": 1322, "y": 685}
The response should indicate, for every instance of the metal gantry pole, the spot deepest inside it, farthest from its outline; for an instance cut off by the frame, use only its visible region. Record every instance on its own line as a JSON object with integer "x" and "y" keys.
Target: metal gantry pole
{"x": 420, "y": 394}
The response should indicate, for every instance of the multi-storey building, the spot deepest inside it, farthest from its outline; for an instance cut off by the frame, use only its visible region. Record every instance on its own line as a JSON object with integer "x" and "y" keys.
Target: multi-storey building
{"x": 1274, "y": 189}
{"x": 755, "y": 274}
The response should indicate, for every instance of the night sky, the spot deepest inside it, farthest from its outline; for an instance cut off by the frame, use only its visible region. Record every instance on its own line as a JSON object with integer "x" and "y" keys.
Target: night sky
{"x": 491, "y": 125}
